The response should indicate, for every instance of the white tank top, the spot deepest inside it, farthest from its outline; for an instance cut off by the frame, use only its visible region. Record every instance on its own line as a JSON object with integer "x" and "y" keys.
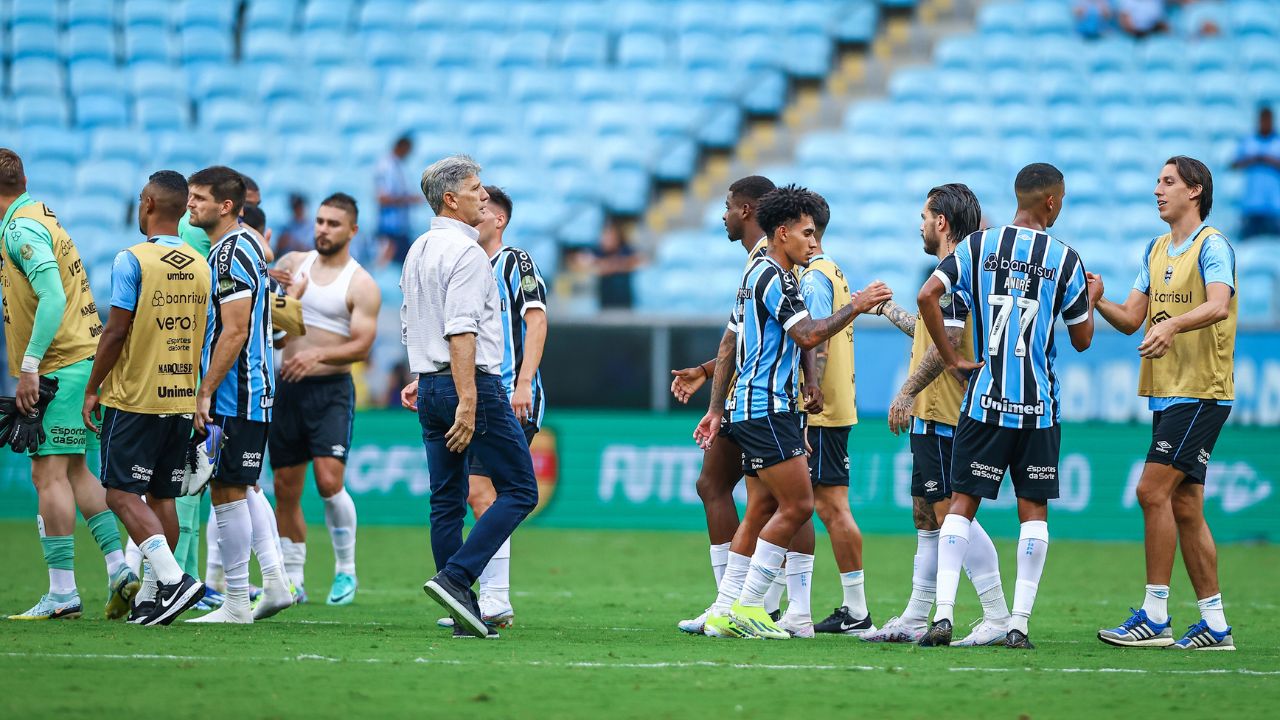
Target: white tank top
{"x": 324, "y": 307}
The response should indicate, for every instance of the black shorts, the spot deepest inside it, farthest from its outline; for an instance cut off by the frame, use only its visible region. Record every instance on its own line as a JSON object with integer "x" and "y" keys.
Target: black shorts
{"x": 244, "y": 442}
{"x": 475, "y": 467}
{"x": 767, "y": 441}
{"x": 312, "y": 418}
{"x": 982, "y": 453}
{"x": 1183, "y": 436}
{"x": 829, "y": 461}
{"x": 931, "y": 466}
{"x": 144, "y": 453}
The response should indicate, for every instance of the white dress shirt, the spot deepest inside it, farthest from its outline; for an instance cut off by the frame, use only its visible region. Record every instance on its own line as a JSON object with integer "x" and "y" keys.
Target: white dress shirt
{"x": 449, "y": 290}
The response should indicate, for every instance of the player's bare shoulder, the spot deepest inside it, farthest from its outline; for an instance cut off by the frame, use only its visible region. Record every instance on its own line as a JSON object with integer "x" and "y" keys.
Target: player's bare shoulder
{"x": 363, "y": 291}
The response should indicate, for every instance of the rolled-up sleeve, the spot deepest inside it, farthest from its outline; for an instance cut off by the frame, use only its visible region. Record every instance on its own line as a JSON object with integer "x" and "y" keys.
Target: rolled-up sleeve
{"x": 465, "y": 291}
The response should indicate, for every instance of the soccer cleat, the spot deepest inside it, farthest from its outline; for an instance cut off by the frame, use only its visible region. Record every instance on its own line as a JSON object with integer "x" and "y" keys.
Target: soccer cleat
{"x": 983, "y": 634}
{"x": 694, "y": 626}
{"x": 844, "y": 623}
{"x": 53, "y": 606}
{"x": 212, "y": 600}
{"x": 938, "y": 635}
{"x": 233, "y": 611}
{"x": 276, "y": 596}
{"x": 299, "y": 593}
{"x": 1201, "y": 637}
{"x": 459, "y": 601}
{"x": 122, "y": 587}
{"x": 1139, "y": 631}
{"x": 496, "y": 613}
{"x": 896, "y": 630}
{"x": 1018, "y": 640}
{"x": 723, "y": 626}
{"x": 174, "y": 599}
{"x": 202, "y": 458}
{"x": 755, "y": 621}
{"x": 343, "y": 591}
{"x": 140, "y": 611}
{"x": 797, "y": 626}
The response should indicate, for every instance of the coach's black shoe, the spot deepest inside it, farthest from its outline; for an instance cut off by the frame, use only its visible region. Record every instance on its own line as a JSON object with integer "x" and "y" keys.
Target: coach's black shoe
{"x": 140, "y": 611}
{"x": 173, "y": 600}
{"x": 939, "y": 635}
{"x": 459, "y": 601}
{"x": 458, "y": 632}
{"x": 1018, "y": 640}
{"x": 842, "y": 622}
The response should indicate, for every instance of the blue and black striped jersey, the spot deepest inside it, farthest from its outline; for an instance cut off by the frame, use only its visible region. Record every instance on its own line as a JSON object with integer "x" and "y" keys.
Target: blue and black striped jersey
{"x": 1017, "y": 282}
{"x": 768, "y": 360}
{"x": 520, "y": 289}
{"x": 239, "y": 273}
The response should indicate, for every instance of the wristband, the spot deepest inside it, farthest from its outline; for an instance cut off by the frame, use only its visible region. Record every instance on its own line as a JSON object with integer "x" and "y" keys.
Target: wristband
{"x": 30, "y": 364}
{"x": 706, "y": 375}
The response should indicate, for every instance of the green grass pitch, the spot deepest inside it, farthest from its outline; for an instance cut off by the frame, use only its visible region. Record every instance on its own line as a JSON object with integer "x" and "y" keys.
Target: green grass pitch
{"x": 595, "y": 638}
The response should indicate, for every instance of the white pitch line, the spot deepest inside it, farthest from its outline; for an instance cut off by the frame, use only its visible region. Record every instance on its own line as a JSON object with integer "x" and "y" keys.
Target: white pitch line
{"x": 616, "y": 665}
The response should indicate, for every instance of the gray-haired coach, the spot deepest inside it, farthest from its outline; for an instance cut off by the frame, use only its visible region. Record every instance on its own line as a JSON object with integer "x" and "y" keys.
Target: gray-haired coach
{"x": 451, "y": 324}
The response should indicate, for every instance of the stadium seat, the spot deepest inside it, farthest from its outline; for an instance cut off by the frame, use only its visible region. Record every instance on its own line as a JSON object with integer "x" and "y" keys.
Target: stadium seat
{"x": 279, "y": 15}
{"x": 537, "y": 17}
{"x": 31, "y": 40}
{"x": 808, "y": 55}
{"x": 324, "y": 49}
{"x": 641, "y": 50}
{"x": 138, "y": 14}
{"x": 186, "y": 150}
{"x": 1003, "y": 19}
{"x": 1044, "y": 18}
{"x": 281, "y": 83}
{"x": 527, "y": 49}
{"x": 353, "y": 117}
{"x": 158, "y": 114}
{"x": 638, "y": 16}
{"x": 291, "y": 117}
{"x": 387, "y": 50}
{"x": 53, "y": 144}
{"x": 593, "y": 17}
{"x": 223, "y": 115}
{"x": 36, "y": 76}
{"x": 216, "y": 15}
{"x": 381, "y": 16}
{"x": 328, "y": 15}
{"x": 349, "y": 83}
{"x": 268, "y": 46}
{"x": 1250, "y": 19}
{"x": 582, "y": 49}
{"x": 92, "y": 212}
{"x": 95, "y": 111}
{"x": 858, "y": 25}
{"x": 959, "y": 53}
{"x": 537, "y": 85}
{"x": 88, "y": 42}
{"x": 109, "y": 178}
{"x": 205, "y": 46}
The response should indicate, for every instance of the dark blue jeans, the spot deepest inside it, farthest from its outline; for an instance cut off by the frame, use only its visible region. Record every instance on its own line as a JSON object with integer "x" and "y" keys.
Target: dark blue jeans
{"x": 500, "y": 444}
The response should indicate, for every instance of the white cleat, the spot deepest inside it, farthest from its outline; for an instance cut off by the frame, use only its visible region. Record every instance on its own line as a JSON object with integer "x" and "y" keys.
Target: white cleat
{"x": 896, "y": 630}
{"x": 497, "y": 613}
{"x": 232, "y": 612}
{"x": 694, "y": 626}
{"x": 798, "y": 626}
{"x": 984, "y": 632}
{"x": 276, "y": 596}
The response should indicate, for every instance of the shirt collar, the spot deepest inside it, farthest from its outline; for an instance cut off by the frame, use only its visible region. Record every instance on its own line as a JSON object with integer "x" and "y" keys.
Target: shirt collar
{"x": 22, "y": 201}
{"x": 445, "y": 223}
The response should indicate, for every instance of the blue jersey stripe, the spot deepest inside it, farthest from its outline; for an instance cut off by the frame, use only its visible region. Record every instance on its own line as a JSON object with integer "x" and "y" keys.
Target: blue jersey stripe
{"x": 240, "y": 271}
{"x": 768, "y": 360}
{"x": 519, "y": 284}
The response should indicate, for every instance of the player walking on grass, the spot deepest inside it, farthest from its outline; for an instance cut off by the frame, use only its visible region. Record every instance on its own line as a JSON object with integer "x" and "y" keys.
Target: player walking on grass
{"x": 523, "y": 295}
{"x": 147, "y": 368}
{"x": 1186, "y": 372}
{"x": 236, "y": 394}
{"x": 1017, "y": 279}
{"x": 928, "y": 406}
{"x": 316, "y": 398}
{"x": 51, "y": 329}
{"x": 770, "y": 324}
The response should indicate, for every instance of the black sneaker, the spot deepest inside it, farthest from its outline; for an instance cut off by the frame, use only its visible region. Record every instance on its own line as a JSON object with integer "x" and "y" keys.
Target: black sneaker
{"x": 459, "y": 601}
{"x": 140, "y": 611}
{"x": 458, "y": 632}
{"x": 173, "y": 600}
{"x": 842, "y": 622}
{"x": 1018, "y": 640}
{"x": 938, "y": 635}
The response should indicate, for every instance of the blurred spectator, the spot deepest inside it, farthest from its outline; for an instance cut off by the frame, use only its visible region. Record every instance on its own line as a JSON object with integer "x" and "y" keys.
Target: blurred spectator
{"x": 615, "y": 262}
{"x": 1093, "y": 17}
{"x": 395, "y": 198}
{"x": 299, "y": 234}
{"x": 1259, "y": 158}
{"x": 1141, "y": 18}
{"x": 254, "y": 217}
{"x": 399, "y": 378}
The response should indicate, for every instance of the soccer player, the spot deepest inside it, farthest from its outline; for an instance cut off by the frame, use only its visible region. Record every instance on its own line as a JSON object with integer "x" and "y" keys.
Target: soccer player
{"x": 770, "y": 324}
{"x": 1189, "y": 312}
{"x": 1016, "y": 279}
{"x": 928, "y": 406}
{"x": 316, "y": 397}
{"x": 236, "y": 394}
{"x": 147, "y": 368}
{"x": 51, "y": 327}
{"x": 825, "y": 291}
{"x": 523, "y": 297}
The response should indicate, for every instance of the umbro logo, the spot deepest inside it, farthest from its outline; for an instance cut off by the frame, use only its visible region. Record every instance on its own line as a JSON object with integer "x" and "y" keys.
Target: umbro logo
{"x": 1160, "y": 317}
{"x": 1163, "y": 446}
{"x": 176, "y": 259}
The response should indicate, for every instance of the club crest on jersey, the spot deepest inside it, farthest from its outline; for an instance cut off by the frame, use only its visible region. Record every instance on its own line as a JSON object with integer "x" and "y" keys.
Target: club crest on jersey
{"x": 1168, "y": 275}
{"x": 945, "y": 301}
{"x": 529, "y": 283}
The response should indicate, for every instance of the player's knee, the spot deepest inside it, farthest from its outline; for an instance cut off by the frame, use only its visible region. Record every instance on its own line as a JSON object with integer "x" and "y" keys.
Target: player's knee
{"x": 711, "y": 489}
{"x": 797, "y": 511}
{"x": 1152, "y": 495}
{"x": 1187, "y": 510}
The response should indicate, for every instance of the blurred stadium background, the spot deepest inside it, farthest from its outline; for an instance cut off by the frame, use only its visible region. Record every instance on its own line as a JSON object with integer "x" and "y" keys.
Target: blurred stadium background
{"x": 616, "y": 128}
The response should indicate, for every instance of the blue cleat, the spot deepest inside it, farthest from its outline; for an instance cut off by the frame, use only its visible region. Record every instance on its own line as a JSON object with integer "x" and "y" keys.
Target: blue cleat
{"x": 1201, "y": 637}
{"x": 212, "y": 600}
{"x": 53, "y": 607}
{"x": 1139, "y": 631}
{"x": 344, "y": 590}
{"x": 299, "y": 593}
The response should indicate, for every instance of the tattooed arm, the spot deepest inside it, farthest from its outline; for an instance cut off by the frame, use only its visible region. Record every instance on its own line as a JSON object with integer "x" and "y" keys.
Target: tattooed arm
{"x": 898, "y": 315}
{"x": 709, "y": 427}
{"x": 809, "y": 333}
{"x": 931, "y": 366}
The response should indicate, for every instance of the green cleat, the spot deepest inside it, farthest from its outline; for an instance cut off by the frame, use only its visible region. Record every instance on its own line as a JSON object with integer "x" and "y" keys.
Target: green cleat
{"x": 122, "y": 587}
{"x": 757, "y": 622}
{"x": 53, "y": 607}
{"x": 343, "y": 591}
{"x": 722, "y": 626}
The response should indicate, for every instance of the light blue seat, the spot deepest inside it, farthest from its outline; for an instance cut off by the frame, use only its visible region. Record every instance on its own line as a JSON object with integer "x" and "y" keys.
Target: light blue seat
{"x": 54, "y": 144}
{"x": 533, "y": 85}
{"x": 219, "y": 83}
{"x": 268, "y": 46}
{"x": 89, "y": 13}
{"x": 641, "y": 50}
{"x": 1124, "y": 121}
{"x": 426, "y": 118}
{"x": 1071, "y": 121}
{"x": 314, "y": 149}
{"x": 1044, "y": 18}
{"x": 40, "y": 12}
{"x": 870, "y": 118}
{"x": 700, "y": 50}
{"x": 410, "y": 86}
{"x": 185, "y": 150}
{"x": 1059, "y": 54}
{"x": 858, "y": 26}
{"x": 489, "y": 119}
{"x": 1162, "y": 53}
{"x": 442, "y": 50}
{"x": 1212, "y": 55}
{"x": 1264, "y": 87}
{"x": 474, "y": 86}
{"x": 587, "y": 16}
{"x": 1121, "y": 154}
{"x": 382, "y": 16}
{"x": 721, "y": 127}
{"x": 551, "y": 118}
{"x": 433, "y": 17}
{"x": 327, "y": 15}
{"x": 1222, "y": 123}
{"x": 94, "y": 77}
{"x": 279, "y": 15}
{"x": 614, "y": 119}
{"x": 290, "y": 117}
{"x": 81, "y": 212}
{"x": 158, "y": 114}
{"x": 526, "y": 49}
{"x": 595, "y": 85}
{"x": 138, "y": 14}
{"x": 582, "y": 48}
{"x": 823, "y": 150}
{"x": 638, "y": 17}
{"x": 1113, "y": 88}
{"x": 36, "y": 76}
{"x": 1062, "y": 88}
{"x": 755, "y": 52}
{"x": 281, "y": 83}
{"x": 1249, "y": 19}
{"x": 223, "y": 115}
{"x": 95, "y": 111}
{"x": 656, "y": 85}
{"x": 810, "y": 16}
{"x": 870, "y": 152}
{"x": 199, "y": 45}
{"x": 971, "y": 119}
{"x": 353, "y": 118}
{"x": 154, "y": 80}
{"x": 1003, "y": 19}
{"x": 212, "y": 14}
{"x": 146, "y": 46}
{"x": 700, "y": 16}
{"x": 962, "y": 52}
{"x": 243, "y": 150}
{"x": 30, "y": 40}
{"x": 1165, "y": 87}
{"x": 537, "y": 17}
{"x": 1002, "y": 53}
{"x": 808, "y": 55}
{"x": 110, "y": 178}
{"x": 386, "y": 50}
{"x": 913, "y": 84}
{"x": 1112, "y": 53}
{"x": 755, "y": 18}
{"x": 1006, "y": 87}
{"x": 327, "y": 49}
{"x": 349, "y": 83}
{"x": 1259, "y": 55}
{"x": 957, "y": 87}
{"x": 629, "y": 190}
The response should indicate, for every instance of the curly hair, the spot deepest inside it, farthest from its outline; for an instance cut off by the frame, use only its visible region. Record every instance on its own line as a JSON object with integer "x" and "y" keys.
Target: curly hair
{"x": 788, "y": 204}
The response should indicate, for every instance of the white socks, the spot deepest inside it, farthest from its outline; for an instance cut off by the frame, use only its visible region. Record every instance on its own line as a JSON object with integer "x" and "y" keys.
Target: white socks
{"x": 719, "y": 559}
{"x": 766, "y": 565}
{"x": 953, "y": 545}
{"x": 773, "y": 598}
{"x": 264, "y": 540}
{"x": 1156, "y": 603}
{"x": 156, "y": 550}
{"x": 799, "y": 582}
{"x": 133, "y": 557}
{"x": 855, "y": 596}
{"x": 294, "y": 555}
{"x": 1033, "y": 547}
{"x": 213, "y": 575}
{"x": 495, "y": 579}
{"x": 735, "y": 574}
{"x": 924, "y": 584}
{"x": 1212, "y": 613}
{"x": 983, "y": 566}
{"x": 149, "y": 585}
{"x": 235, "y": 537}
{"x": 340, "y": 518}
